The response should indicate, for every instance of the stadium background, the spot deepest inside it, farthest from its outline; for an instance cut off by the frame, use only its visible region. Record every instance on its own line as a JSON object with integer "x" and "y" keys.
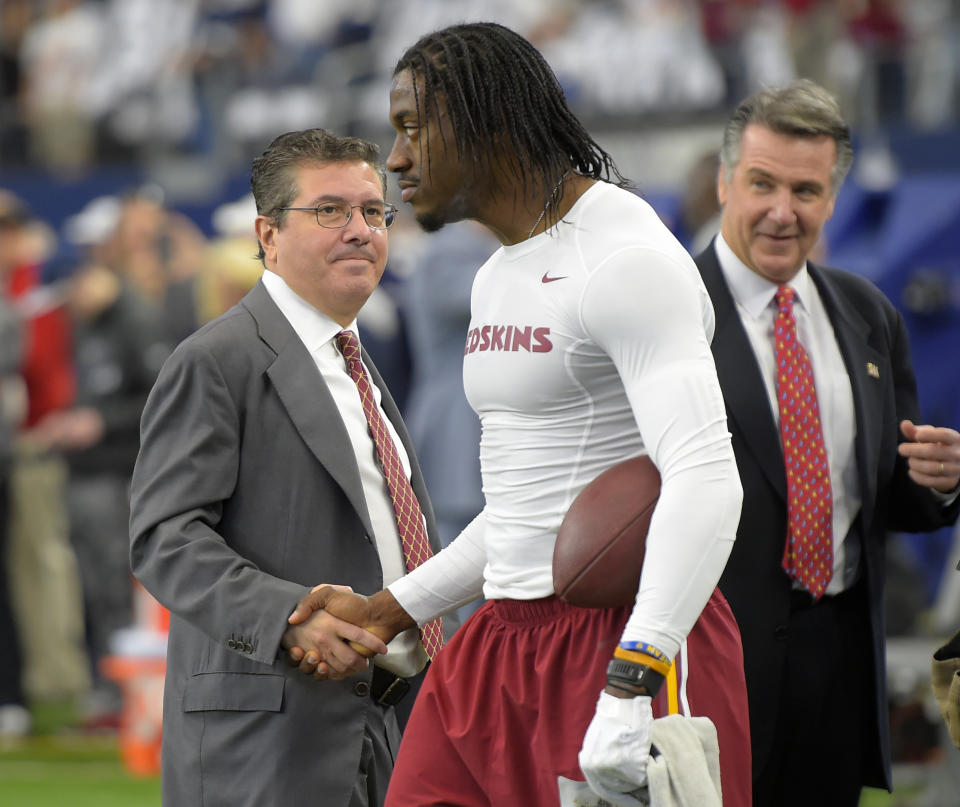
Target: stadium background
{"x": 172, "y": 98}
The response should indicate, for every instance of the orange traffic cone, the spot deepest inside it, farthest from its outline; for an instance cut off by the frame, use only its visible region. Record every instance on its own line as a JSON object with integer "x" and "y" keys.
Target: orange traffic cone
{"x": 138, "y": 664}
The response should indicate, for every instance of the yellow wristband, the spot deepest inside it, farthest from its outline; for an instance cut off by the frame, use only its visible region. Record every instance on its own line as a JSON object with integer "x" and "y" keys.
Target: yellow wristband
{"x": 642, "y": 658}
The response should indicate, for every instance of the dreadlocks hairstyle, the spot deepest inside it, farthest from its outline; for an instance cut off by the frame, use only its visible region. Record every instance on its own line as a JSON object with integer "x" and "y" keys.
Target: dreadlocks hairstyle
{"x": 495, "y": 85}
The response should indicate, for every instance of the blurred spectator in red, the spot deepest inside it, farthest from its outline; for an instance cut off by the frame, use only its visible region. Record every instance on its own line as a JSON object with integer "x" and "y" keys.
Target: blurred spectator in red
{"x": 119, "y": 344}
{"x": 44, "y": 584}
{"x": 14, "y": 716}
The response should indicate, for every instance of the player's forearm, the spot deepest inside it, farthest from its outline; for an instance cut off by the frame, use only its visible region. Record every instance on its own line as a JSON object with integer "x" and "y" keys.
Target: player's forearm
{"x": 387, "y": 612}
{"x": 687, "y": 549}
{"x": 450, "y": 578}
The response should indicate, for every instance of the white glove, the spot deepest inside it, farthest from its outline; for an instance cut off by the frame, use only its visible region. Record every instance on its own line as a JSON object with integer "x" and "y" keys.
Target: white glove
{"x": 616, "y": 748}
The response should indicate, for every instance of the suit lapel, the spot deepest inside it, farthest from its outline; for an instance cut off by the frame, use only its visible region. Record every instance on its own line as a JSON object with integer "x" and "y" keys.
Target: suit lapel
{"x": 860, "y": 359}
{"x": 740, "y": 379}
{"x": 307, "y": 399}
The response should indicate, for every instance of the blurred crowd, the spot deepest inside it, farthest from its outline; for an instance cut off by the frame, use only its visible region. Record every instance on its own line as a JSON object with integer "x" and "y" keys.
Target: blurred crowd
{"x": 82, "y": 344}
{"x": 83, "y": 82}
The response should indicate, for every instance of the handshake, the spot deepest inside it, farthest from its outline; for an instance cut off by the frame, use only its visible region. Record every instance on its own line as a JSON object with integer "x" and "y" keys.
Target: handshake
{"x": 333, "y": 632}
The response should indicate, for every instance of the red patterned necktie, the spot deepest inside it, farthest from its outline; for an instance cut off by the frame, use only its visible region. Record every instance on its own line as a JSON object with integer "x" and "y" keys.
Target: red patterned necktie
{"x": 413, "y": 534}
{"x": 808, "y": 555}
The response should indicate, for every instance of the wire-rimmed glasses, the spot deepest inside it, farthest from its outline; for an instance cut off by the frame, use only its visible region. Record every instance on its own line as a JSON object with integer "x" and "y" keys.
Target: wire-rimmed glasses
{"x": 334, "y": 215}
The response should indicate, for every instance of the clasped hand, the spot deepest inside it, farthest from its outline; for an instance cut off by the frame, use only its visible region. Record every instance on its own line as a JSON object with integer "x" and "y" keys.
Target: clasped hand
{"x": 324, "y": 638}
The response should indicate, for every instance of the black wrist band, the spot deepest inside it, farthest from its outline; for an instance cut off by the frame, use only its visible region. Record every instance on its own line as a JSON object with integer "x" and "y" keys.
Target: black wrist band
{"x": 630, "y": 690}
{"x": 634, "y": 675}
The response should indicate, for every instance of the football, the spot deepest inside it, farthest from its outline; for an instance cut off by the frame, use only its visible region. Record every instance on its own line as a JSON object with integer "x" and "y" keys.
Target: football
{"x": 600, "y": 544}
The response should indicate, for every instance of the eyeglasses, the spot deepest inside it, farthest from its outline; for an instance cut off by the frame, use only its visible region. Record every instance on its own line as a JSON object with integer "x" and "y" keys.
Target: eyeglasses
{"x": 334, "y": 215}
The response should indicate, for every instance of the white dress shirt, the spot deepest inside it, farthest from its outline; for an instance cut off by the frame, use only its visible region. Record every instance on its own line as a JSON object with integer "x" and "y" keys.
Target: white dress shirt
{"x": 317, "y": 331}
{"x": 755, "y": 300}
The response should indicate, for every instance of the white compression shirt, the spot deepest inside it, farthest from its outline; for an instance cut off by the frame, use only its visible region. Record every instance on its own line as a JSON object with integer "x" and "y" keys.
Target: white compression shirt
{"x": 590, "y": 344}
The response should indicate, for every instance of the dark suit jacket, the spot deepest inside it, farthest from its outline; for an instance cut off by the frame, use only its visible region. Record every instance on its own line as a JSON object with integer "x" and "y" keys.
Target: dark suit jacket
{"x": 247, "y": 493}
{"x": 868, "y": 329}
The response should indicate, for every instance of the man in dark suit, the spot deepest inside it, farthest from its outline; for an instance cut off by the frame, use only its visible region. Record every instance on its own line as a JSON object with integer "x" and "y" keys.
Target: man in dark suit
{"x": 813, "y": 633}
{"x": 257, "y": 478}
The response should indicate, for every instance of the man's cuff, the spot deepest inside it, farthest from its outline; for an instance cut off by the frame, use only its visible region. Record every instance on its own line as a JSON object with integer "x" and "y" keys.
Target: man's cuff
{"x": 948, "y": 498}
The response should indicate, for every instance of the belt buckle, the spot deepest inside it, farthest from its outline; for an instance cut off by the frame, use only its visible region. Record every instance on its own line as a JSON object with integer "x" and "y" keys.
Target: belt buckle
{"x": 393, "y": 693}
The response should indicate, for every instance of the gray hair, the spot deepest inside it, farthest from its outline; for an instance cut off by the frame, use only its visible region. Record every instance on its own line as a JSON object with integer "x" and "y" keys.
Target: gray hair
{"x": 801, "y": 109}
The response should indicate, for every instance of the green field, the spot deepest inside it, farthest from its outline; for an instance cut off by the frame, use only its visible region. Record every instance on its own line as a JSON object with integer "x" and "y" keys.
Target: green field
{"x": 60, "y": 766}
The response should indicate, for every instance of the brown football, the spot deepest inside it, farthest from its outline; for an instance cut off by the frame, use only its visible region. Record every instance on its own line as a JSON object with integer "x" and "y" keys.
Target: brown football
{"x": 600, "y": 544}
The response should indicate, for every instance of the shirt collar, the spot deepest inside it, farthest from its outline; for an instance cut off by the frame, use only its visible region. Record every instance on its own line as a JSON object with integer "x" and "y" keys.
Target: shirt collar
{"x": 750, "y": 290}
{"x": 313, "y": 327}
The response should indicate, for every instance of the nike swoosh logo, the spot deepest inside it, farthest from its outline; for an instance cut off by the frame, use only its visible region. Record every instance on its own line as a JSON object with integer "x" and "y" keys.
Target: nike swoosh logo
{"x": 546, "y": 279}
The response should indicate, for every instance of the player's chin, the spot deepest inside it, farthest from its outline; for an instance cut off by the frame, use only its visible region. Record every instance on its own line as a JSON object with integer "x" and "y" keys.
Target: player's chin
{"x": 429, "y": 220}
{"x": 430, "y": 217}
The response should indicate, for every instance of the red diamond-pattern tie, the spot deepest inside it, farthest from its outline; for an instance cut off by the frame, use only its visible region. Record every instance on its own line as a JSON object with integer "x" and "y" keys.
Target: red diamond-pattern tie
{"x": 808, "y": 555}
{"x": 413, "y": 534}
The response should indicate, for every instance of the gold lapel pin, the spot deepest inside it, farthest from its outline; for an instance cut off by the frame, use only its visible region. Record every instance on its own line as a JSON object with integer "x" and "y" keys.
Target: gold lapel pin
{"x": 873, "y": 370}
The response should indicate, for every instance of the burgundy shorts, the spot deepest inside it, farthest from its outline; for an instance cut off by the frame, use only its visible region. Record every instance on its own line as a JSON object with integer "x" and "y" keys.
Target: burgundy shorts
{"x": 504, "y": 708}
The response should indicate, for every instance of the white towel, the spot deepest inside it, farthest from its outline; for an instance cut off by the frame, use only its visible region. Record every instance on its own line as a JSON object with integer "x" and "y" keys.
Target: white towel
{"x": 683, "y": 771}
{"x": 686, "y": 771}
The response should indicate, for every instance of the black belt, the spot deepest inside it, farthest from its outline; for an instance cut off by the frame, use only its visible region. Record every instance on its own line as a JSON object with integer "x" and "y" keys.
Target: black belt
{"x": 801, "y": 600}
{"x": 386, "y": 688}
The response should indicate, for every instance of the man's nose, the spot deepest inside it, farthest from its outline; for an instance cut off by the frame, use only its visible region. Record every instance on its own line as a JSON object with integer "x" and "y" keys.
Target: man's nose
{"x": 397, "y": 160}
{"x": 781, "y": 207}
{"x": 357, "y": 227}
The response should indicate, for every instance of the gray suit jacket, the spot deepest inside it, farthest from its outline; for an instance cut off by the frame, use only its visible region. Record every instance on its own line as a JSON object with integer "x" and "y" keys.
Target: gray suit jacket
{"x": 246, "y": 493}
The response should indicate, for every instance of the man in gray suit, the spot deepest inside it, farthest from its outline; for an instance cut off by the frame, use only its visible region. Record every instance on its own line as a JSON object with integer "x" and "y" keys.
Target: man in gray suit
{"x": 257, "y": 479}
